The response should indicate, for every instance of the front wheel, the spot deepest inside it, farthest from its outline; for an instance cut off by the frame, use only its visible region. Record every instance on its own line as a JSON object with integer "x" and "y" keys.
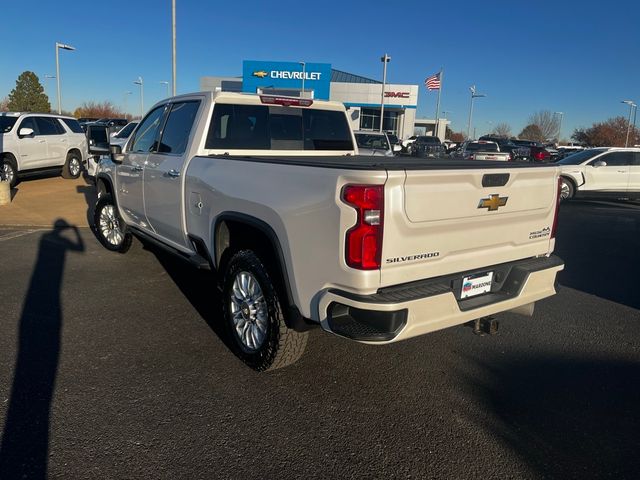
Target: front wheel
{"x": 254, "y": 318}
{"x": 72, "y": 167}
{"x": 110, "y": 229}
{"x": 567, "y": 190}
{"x": 8, "y": 171}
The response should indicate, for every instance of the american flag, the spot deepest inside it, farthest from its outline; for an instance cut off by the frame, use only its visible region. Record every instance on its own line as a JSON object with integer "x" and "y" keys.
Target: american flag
{"x": 433, "y": 82}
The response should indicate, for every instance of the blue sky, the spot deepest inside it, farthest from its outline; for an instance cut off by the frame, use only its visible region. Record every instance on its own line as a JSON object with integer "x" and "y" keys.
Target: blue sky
{"x": 578, "y": 58}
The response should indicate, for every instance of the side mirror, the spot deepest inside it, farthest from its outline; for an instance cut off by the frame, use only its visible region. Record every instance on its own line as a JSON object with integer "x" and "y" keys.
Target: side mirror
{"x": 116, "y": 154}
{"x": 98, "y": 139}
{"x": 25, "y": 132}
{"x": 599, "y": 163}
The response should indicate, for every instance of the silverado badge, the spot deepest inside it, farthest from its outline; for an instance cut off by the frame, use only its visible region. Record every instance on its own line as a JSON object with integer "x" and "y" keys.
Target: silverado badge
{"x": 260, "y": 74}
{"x": 493, "y": 202}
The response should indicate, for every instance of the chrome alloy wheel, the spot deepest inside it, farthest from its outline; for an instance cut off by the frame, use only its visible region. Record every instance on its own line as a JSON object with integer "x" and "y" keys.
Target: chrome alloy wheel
{"x": 565, "y": 190}
{"x": 248, "y": 311}
{"x": 110, "y": 226}
{"x": 74, "y": 166}
{"x": 8, "y": 173}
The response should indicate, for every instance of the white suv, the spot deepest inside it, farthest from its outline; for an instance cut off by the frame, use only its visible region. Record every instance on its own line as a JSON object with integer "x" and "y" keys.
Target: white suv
{"x": 601, "y": 172}
{"x": 38, "y": 141}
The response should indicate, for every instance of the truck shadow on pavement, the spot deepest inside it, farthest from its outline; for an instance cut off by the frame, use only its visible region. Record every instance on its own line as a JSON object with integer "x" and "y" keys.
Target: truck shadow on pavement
{"x": 566, "y": 417}
{"x": 598, "y": 242}
{"x": 25, "y": 438}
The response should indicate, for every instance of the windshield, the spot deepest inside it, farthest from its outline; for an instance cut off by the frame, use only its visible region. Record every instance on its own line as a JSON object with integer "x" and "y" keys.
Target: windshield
{"x": 7, "y": 123}
{"x": 482, "y": 147}
{"x": 580, "y": 157}
{"x": 365, "y": 140}
{"x": 126, "y": 131}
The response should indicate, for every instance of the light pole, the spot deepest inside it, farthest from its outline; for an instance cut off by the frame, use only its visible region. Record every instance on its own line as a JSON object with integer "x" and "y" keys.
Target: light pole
{"x": 385, "y": 59}
{"x": 173, "y": 46}
{"x": 164, "y": 82}
{"x": 141, "y": 83}
{"x": 561, "y": 114}
{"x": 303, "y": 65}
{"x": 631, "y": 106}
{"x": 48, "y": 77}
{"x": 472, "y": 89}
{"x": 124, "y": 96}
{"x": 58, "y": 47}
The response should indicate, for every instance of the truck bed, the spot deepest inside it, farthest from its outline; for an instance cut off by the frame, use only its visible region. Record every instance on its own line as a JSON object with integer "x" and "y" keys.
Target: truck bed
{"x": 361, "y": 162}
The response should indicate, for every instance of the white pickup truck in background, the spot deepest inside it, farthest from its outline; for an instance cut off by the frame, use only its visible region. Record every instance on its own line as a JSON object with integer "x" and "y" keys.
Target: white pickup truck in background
{"x": 482, "y": 150}
{"x": 269, "y": 193}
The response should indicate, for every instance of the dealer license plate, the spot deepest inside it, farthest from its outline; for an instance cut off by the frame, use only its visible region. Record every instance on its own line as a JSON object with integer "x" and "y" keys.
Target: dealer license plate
{"x": 476, "y": 284}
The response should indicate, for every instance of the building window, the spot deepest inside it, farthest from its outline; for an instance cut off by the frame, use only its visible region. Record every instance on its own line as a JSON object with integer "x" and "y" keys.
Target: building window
{"x": 370, "y": 120}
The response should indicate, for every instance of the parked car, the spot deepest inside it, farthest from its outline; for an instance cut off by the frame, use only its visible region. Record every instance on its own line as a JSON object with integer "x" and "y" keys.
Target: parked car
{"x": 566, "y": 150}
{"x": 105, "y": 140}
{"x": 537, "y": 152}
{"x": 517, "y": 152}
{"x": 406, "y": 144}
{"x": 482, "y": 150}
{"x": 373, "y": 143}
{"x": 427, "y": 146}
{"x": 601, "y": 172}
{"x": 32, "y": 142}
{"x": 396, "y": 144}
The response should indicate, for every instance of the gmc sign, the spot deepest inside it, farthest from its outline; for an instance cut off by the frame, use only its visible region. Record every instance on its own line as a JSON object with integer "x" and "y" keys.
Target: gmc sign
{"x": 396, "y": 94}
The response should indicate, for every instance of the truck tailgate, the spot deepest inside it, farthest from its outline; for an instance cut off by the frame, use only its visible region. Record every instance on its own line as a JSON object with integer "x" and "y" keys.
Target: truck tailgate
{"x": 439, "y": 222}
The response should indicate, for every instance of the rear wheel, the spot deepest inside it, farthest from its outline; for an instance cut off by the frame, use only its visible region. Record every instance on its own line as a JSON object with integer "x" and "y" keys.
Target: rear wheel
{"x": 567, "y": 190}
{"x": 9, "y": 171}
{"x": 73, "y": 166}
{"x": 254, "y": 317}
{"x": 109, "y": 227}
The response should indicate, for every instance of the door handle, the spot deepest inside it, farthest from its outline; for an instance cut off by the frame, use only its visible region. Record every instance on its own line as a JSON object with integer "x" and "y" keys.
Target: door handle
{"x": 41, "y": 141}
{"x": 137, "y": 169}
{"x": 173, "y": 173}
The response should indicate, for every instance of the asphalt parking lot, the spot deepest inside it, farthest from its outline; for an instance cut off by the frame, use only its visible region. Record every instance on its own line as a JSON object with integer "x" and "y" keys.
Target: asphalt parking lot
{"x": 114, "y": 366}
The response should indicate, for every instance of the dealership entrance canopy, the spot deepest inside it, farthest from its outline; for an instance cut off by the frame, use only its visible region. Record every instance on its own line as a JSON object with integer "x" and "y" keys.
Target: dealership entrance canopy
{"x": 360, "y": 95}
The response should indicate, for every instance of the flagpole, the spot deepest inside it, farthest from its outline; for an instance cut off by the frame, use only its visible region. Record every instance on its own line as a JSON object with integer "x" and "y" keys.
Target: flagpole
{"x": 438, "y": 103}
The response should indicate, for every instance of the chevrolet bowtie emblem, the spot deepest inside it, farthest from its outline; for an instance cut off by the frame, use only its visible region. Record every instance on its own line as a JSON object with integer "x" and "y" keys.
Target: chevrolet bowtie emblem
{"x": 493, "y": 202}
{"x": 260, "y": 74}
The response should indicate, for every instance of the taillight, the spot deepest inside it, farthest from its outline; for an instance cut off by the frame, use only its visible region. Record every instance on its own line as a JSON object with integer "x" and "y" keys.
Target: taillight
{"x": 363, "y": 249}
{"x": 285, "y": 101}
{"x": 555, "y": 217}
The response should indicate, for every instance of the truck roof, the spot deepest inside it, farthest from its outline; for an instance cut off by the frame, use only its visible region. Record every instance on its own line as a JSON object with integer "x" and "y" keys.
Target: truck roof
{"x": 256, "y": 99}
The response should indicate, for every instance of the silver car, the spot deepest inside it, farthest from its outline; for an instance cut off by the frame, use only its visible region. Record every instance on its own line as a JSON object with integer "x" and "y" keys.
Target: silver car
{"x": 373, "y": 144}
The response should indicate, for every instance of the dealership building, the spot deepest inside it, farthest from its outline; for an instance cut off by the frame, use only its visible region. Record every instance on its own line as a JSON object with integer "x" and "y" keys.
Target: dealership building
{"x": 360, "y": 95}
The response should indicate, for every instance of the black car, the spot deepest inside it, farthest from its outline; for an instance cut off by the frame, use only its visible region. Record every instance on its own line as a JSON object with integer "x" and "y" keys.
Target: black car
{"x": 427, "y": 146}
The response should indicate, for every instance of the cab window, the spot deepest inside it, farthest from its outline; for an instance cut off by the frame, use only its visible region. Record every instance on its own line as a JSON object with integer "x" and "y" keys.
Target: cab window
{"x": 147, "y": 132}
{"x": 175, "y": 134}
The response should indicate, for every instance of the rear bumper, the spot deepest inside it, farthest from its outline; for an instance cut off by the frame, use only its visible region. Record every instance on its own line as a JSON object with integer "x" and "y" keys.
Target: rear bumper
{"x": 404, "y": 311}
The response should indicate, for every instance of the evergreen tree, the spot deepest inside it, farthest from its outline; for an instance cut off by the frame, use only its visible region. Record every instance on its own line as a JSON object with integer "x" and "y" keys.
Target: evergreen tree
{"x": 28, "y": 96}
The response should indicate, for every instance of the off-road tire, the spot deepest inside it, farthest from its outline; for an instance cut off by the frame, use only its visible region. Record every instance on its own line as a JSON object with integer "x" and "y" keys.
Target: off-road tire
{"x": 282, "y": 346}
{"x": 73, "y": 166}
{"x": 106, "y": 202}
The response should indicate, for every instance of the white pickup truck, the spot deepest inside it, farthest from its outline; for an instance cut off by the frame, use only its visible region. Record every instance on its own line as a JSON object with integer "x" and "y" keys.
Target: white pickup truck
{"x": 269, "y": 193}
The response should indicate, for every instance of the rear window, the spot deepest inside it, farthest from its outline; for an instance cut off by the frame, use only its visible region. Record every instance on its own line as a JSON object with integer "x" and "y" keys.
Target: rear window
{"x": 482, "y": 147}
{"x": 7, "y": 123}
{"x": 580, "y": 157}
{"x": 261, "y": 127}
{"x": 73, "y": 125}
{"x": 369, "y": 140}
{"x": 429, "y": 140}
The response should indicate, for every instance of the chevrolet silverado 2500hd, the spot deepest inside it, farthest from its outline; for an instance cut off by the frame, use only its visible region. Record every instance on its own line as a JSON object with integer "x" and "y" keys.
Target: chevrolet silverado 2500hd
{"x": 269, "y": 193}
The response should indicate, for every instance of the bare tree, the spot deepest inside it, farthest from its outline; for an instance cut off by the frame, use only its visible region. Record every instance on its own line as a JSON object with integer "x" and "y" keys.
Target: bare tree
{"x": 502, "y": 130}
{"x": 98, "y": 110}
{"x": 531, "y": 132}
{"x": 548, "y": 123}
{"x": 4, "y": 104}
